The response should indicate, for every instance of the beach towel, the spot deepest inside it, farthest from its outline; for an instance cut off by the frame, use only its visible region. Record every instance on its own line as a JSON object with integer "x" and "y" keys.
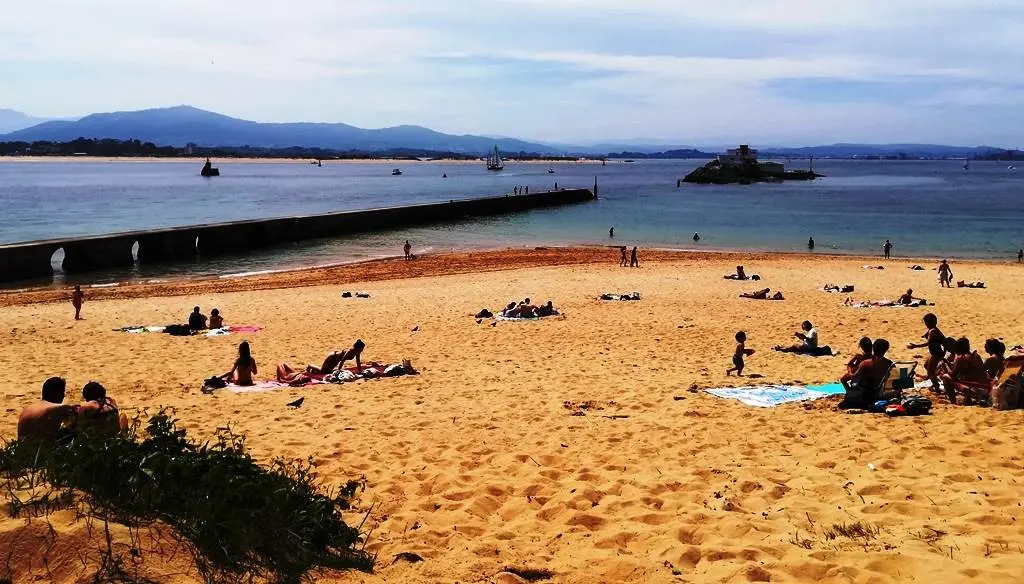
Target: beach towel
{"x": 235, "y": 329}
{"x": 370, "y": 371}
{"x": 888, "y": 304}
{"x": 769, "y": 396}
{"x": 257, "y": 388}
{"x": 140, "y": 329}
{"x": 609, "y": 296}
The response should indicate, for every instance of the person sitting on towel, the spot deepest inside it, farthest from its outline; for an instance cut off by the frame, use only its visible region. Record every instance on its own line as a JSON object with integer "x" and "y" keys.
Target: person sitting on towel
{"x": 997, "y": 356}
{"x": 244, "y": 368}
{"x": 808, "y": 340}
{"x": 98, "y": 414}
{"x": 967, "y": 373}
{"x": 908, "y": 298}
{"x": 759, "y": 295}
{"x": 854, "y": 363}
{"x": 336, "y": 360}
{"x": 196, "y": 320}
{"x": 44, "y": 420}
{"x": 216, "y": 320}
{"x": 510, "y": 310}
{"x": 862, "y": 387}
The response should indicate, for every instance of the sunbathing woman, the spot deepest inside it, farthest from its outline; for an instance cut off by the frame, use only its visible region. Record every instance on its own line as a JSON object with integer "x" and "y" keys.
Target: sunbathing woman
{"x": 739, "y": 275}
{"x": 244, "y": 368}
{"x": 759, "y": 295}
{"x": 933, "y": 339}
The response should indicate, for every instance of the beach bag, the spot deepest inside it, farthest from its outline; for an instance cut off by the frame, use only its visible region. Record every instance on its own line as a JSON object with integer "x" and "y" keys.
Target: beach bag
{"x": 178, "y": 330}
{"x": 916, "y": 406}
{"x": 214, "y": 383}
{"x": 1006, "y": 396}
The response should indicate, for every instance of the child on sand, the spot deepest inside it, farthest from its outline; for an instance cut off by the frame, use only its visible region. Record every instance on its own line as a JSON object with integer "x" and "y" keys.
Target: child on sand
{"x": 77, "y": 298}
{"x": 737, "y": 357}
{"x": 216, "y": 320}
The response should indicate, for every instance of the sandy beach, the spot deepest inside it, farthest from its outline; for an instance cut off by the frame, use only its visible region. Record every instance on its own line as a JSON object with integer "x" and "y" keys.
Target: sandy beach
{"x": 581, "y": 444}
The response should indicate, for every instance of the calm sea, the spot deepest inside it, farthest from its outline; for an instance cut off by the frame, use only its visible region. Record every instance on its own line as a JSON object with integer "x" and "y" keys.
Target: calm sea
{"x": 931, "y": 208}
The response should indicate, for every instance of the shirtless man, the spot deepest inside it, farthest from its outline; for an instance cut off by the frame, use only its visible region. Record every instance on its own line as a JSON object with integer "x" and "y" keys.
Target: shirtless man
{"x": 933, "y": 338}
{"x": 759, "y": 295}
{"x": 908, "y": 298}
{"x": 77, "y": 298}
{"x": 967, "y": 374}
{"x": 945, "y": 274}
{"x": 42, "y": 420}
{"x": 336, "y": 360}
{"x": 408, "y": 249}
{"x": 98, "y": 414}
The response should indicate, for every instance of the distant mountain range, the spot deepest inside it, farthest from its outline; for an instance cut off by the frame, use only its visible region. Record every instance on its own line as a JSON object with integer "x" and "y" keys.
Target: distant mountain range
{"x": 12, "y": 121}
{"x": 181, "y": 125}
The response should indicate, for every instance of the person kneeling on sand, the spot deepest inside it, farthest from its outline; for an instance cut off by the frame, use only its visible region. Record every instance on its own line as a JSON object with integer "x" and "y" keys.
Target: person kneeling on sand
{"x": 862, "y": 387}
{"x": 45, "y": 420}
{"x": 98, "y": 414}
{"x": 808, "y": 340}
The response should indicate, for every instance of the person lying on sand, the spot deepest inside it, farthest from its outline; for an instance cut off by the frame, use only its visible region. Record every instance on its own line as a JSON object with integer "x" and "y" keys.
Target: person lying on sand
{"x": 244, "y": 368}
{"x": 845, "y": 288}
{"x": 808, "y": 340}
{"x": 908, "y": 298}
{"x": 739, "y": 275}
{"x": 933, "y": 339}
{"x": 967, "y": 375}
{"x": 98, "y": 414}
{"x": 336, "y": 359}
{"x": 975, "y": 284}
{"x": 45, "y": 420}
{"x": 759, "y": 295}
{"x": 546, "y": 310}
{"x": 863, "y": 385}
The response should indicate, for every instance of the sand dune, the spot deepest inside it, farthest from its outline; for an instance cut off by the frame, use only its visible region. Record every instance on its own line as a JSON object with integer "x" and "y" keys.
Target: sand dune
{"x": 488, "y": 460}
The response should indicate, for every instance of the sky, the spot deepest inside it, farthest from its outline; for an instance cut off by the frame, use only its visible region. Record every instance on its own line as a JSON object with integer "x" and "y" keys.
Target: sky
{"x": 779, "y": 72}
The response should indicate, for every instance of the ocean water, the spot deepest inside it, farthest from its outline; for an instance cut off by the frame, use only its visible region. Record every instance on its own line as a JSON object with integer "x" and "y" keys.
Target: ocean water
{"x": 930, "y": 208}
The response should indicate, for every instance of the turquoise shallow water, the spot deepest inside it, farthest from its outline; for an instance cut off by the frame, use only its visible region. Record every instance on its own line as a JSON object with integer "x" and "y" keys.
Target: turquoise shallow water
{"x": 932, "y": 208}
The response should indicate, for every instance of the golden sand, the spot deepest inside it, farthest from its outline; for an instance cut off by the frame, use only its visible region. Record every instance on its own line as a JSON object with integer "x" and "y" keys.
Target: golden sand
{"x": 477, "y": 464}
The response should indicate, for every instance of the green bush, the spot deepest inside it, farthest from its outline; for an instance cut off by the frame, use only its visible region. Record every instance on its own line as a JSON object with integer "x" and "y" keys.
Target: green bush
{"x": 240, "y": 520}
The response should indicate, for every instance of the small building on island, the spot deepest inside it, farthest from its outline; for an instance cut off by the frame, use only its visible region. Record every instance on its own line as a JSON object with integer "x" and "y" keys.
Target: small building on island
{"x": 740, "y": 165}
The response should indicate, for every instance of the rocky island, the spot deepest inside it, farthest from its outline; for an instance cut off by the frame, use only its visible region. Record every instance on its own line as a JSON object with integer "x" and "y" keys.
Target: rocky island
{"x": 740, "y": 165}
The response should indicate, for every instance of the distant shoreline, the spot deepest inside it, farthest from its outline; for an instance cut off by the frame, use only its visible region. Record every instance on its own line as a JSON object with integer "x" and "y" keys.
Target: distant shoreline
{"x": 198, "y": 160}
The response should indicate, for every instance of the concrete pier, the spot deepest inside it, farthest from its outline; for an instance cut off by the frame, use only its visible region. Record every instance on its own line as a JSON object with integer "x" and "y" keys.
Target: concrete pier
{"x": 21, "y": 261}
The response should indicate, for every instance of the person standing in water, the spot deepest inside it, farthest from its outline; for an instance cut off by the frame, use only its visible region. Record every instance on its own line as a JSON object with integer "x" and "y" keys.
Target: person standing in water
{"x": 696, "y": 237}
{"x": 611, "y": 232}
{"x": 810, "y": 243}
{"x": 77, "y": 298}
{"x": 634, "y": 261}
{"x": 1020, "y": 255}
{"x": 945, "y": 275}
{"x": 408, "y": 249}
{"x": 887, "y": 248}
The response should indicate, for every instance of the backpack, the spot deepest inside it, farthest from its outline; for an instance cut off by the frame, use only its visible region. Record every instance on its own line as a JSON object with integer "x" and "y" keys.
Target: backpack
{"x": 917, "y": 406}
{"x": 214, "y": 383}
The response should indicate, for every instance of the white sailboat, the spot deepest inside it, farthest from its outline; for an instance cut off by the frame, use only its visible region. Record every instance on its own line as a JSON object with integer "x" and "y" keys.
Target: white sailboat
{"x": 494, "y": 161}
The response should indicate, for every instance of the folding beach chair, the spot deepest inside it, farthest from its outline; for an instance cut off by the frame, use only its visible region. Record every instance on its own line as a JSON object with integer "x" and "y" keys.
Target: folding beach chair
{"x": 899, "y": 378}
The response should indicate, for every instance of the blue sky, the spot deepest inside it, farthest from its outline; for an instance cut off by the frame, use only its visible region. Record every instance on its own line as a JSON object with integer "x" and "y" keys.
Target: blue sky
{"x": 783, "y": 72}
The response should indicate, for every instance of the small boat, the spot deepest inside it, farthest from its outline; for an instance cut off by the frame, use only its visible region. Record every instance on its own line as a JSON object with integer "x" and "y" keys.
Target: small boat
{"x": 396, "y": 172}
{"x": 209, "y": 170}
{"x": 967, "y": 164}
{"x": 315, "y": 162}
{"x": 551, "y": 171}
{"x": 494, "y": 161}
{"x": 629, "y": 160}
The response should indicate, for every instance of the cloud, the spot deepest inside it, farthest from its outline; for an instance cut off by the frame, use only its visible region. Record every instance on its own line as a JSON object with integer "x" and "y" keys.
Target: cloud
{"x": 572, "y": 70}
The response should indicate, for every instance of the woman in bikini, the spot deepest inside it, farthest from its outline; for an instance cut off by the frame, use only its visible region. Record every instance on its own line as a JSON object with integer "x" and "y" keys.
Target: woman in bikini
{"x": 244, "y": 368}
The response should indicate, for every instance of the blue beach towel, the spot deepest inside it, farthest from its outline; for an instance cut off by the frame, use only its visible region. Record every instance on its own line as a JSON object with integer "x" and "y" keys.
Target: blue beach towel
{"x": 769, "y": 396}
